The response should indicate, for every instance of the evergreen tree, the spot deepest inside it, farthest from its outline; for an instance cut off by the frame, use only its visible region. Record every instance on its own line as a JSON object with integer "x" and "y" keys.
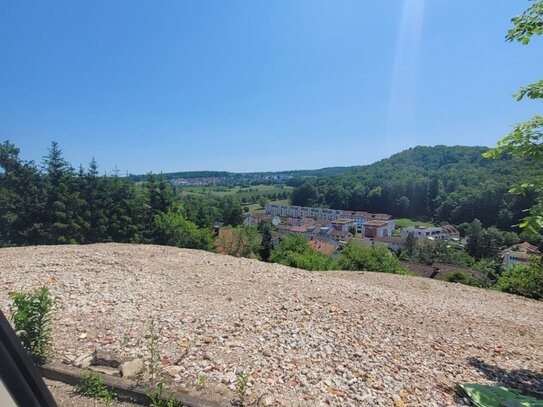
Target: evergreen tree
{"x": 266, "y": 246}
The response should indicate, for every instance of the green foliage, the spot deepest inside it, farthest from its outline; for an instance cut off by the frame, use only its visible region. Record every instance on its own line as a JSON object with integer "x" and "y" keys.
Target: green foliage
{"x": 525, "y": 139}
{"x": 152, "y": 348}
{"x": 173, "y": 229}
{"x": 205, "y": 210}
{"x": 460, "y": 277}
{"x": 239, "y": 241}
{"x": 202, "y": 378}
{"x": 31, "y": 314}
{"x": 294, "y": 251}
{"x": 91, "y": 384}
{"x": 266, "y": 245}
{"x": 525, "y": 280}
{"x": 358, "y": 257}
{"x": 447, "y": 184}
{"x": 242, "y": 382}
{"x": 527, "y": 24}
{"x": 156, "y": 399}
{"x": 441, "y": 251}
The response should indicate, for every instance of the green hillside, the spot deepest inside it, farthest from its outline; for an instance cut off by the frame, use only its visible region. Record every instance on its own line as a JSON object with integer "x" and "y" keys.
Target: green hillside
{"x": 447, "y": 184}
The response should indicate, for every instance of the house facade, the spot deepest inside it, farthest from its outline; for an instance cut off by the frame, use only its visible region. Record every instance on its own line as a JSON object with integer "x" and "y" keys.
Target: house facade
{"x": 445, "y": 232}
{"x": 358, "y": 217}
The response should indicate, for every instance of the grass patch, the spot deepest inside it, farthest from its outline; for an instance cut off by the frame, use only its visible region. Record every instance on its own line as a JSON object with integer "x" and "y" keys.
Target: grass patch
{"x": 91, "y": 384}
{"x": 406, "y": 222}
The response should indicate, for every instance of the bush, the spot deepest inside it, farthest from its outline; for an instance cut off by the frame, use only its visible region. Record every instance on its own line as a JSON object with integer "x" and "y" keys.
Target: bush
{"x": 173, "y": 229}
{"x": 522, "y": 280}
{"x": 460, "y": 277}
{"x": 294, "y": 251}
{"x": 31, "y": 314}
{"x": 357, "y": 257}
{"x": 91, "y": 384}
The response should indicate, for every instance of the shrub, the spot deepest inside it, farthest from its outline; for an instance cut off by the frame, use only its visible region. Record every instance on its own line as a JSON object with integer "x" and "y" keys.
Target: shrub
{"x": 357, "y": 257}
{"x": 31, "y": 314}
{"x": 173, "y": 229}
{"x": 460, "y": 277}
{"x": 294, "y": 251}
{"x": 91, "y": 384}
{"x": 240, "y": 241}
{"x": 522, "y": 280}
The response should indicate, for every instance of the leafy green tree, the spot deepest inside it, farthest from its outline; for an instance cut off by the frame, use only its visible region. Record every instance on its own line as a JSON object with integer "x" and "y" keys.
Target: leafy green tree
{"x": 173, "y": 230}
{"x": 491, "y": 240}
{"x": 355, "y": 256}
{"x": 525, "y": 280}
{"x": 525, "y": 139}
{"x": 263, "y": 201}
{"x": 294, "y": 251}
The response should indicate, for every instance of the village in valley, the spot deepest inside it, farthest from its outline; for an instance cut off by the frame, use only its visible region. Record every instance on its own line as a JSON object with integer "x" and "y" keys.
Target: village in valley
{"x": 330, "y": 230}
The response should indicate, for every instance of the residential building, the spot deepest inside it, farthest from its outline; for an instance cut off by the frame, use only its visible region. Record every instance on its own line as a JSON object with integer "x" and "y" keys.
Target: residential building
{"x": 445, "y": 232}
{"x": 377, "y": 228}
{"x": 520, "y": 254}
{"x": 343, "y": 225}
{"x": 299, "y": 212}
{"x": 323, "y": 247}
{"x": 255, "y": 218}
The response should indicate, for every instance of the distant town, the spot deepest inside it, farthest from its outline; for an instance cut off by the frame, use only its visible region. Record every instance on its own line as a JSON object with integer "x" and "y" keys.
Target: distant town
{"x": 328, "y": 230}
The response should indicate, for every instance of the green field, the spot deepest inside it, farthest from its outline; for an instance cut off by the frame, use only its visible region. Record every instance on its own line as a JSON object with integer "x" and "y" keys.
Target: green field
{"x": 248, "y": 196}
{"x": 253, "y": 191}
{"x": 406, "y": 222}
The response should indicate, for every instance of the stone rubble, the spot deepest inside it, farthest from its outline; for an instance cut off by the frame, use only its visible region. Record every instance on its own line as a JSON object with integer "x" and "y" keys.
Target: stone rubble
{"x": 304, "y": 338}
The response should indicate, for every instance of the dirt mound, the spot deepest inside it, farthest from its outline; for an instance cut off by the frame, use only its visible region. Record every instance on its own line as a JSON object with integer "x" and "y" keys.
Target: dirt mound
{"x": 308, "y": 339}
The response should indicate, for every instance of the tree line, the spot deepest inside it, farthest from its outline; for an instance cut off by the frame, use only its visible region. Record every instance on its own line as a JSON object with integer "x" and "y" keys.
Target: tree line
{"x": 55, "y": 204}
{"x": 445, "y": 184}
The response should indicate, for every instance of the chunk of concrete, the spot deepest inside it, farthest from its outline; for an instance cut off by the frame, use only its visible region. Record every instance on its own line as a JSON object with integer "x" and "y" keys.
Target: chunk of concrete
{"x": 131, "y": 367}
{"x": 106, "y": 358}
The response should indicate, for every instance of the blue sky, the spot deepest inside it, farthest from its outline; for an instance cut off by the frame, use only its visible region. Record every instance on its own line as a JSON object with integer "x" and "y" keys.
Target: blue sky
{"x": 257, "y": 85}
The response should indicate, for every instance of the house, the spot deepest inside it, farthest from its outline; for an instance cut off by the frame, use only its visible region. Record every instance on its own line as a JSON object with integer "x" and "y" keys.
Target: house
{"x": 296, "y": 230}
{"x": 445, "y": 232}
{"x": 376, "y": 228}
{"x": 394, "y": 243}
{"x": 255, "y": 218}
{"x": 343, "y": 225}
{"x": 521, "y": 253}
{"x": 323, "y": 247}
{"x": 299, "y": 212}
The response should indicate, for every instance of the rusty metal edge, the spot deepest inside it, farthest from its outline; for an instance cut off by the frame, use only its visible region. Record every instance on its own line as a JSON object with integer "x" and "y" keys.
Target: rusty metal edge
{"x": 124, "y": 389}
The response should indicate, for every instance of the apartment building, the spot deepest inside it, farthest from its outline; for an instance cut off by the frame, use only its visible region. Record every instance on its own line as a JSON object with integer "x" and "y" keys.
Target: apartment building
{"x": 359, "y": 217}
{"x": 445, "y": 232}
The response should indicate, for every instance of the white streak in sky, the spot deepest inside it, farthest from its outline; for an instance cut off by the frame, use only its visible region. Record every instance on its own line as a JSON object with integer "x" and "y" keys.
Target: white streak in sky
{"x": 403, "y": 88}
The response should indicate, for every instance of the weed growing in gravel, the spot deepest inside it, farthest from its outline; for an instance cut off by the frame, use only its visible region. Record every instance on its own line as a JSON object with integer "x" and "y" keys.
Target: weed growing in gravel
{"x": 157, "y": 400}
{"x": 31, "y": 314}
{"x": 202, "y": 381}
{"x": 242, "y": 381}
{"x": 152, "y": 348}
{"x": 91, "y": 384}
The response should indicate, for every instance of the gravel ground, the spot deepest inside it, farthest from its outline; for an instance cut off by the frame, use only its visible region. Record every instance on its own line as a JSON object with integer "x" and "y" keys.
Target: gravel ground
{"x": 305, "y": 338}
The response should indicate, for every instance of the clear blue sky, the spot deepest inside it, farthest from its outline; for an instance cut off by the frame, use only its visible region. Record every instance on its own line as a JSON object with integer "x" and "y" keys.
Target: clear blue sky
{"x": 257, "y": 85}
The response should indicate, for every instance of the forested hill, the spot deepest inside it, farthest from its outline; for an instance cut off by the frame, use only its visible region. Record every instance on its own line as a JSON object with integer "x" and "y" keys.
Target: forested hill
{"x": 453, "y": 184}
